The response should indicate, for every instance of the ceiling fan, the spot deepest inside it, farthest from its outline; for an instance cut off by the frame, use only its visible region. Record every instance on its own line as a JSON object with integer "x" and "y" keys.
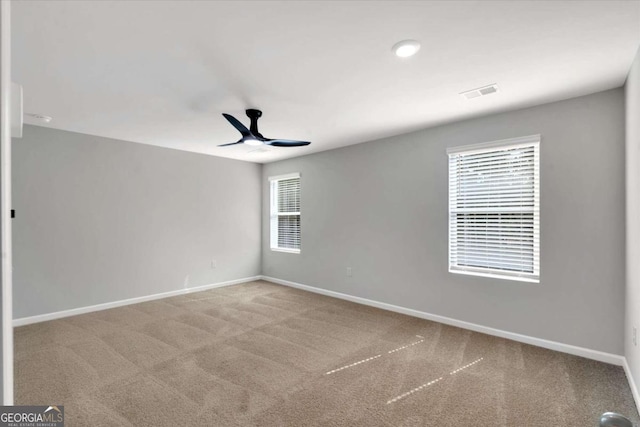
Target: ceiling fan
{"x": 253, "y": 136}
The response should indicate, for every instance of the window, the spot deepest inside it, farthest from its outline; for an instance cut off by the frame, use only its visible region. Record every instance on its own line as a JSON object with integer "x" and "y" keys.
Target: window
{"x": 285, "y": 213}
{"x": 494, "y": 209}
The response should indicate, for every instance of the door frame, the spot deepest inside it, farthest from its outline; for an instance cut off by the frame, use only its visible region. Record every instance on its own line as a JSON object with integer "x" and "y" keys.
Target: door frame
{"x": 5, "y": 203}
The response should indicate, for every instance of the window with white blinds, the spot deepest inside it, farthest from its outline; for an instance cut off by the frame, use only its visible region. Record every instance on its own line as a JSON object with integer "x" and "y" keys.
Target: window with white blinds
{"x": 494, "y": 209}
{"x": 285, "y": 213}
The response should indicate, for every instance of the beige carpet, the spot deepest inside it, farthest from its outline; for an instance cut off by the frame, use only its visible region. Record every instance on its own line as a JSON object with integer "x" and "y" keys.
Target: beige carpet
{"x": 266, "y": 355}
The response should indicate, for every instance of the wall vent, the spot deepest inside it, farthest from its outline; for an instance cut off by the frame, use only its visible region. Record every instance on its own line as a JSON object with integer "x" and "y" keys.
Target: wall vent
{"x": 481, "y": 91}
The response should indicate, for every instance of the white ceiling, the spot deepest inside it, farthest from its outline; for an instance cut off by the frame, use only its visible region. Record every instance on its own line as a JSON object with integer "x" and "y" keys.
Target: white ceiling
{"x": 162, "y": 72}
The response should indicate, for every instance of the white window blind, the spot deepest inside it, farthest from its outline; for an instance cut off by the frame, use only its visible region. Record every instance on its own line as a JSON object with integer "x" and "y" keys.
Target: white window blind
{"x": 285, "y": 213}
{"x": 494, "y": 209}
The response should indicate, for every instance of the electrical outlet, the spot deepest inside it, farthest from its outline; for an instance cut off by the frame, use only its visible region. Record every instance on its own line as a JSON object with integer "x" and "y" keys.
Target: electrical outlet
{"x": 349, "y": 274}
{"x": 635, "y": 336}
{"x": 214, "y": 264}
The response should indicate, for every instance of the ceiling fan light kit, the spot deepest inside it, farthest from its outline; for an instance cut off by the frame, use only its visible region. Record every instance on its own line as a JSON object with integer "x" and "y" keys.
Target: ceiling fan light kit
{"x": 252, "y": 136}
{"x": 250, "y": 141}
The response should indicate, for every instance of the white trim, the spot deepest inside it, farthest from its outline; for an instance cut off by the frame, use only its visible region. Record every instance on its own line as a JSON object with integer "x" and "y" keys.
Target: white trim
{"x": 5, "y": 193}
{"x": 286, "y": 250}
{"x": 485, "y": 272}
{"x": 285, "y": 176}
{"x": 274, "y": 214}
{"x": 457, "y": 192}
{"x": 82, "y": 310}
{"x": 600, "y": 356}
{"x": 632, "y": 383}
{"x": 488, "y": 146}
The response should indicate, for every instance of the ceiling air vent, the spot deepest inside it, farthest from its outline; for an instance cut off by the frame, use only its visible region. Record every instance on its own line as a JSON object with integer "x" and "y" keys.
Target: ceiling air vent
{"x": 481, "y": 91}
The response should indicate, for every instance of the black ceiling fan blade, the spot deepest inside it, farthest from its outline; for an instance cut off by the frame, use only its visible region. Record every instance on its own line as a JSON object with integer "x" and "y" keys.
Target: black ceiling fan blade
{"x": 236, "y": 124}
{"x": 286, "y": 143}
{"x": 253, "y": 136}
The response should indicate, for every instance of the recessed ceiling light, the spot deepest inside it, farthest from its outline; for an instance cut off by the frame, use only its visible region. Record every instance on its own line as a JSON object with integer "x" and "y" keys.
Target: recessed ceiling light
{"x": 39, "y": 117}
{"x": 406, "y": 48}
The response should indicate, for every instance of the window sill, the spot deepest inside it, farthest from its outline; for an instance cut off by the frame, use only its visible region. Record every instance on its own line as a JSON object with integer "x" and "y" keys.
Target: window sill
{"x": 496, "y": 276}
{"x": 290, "y": 251}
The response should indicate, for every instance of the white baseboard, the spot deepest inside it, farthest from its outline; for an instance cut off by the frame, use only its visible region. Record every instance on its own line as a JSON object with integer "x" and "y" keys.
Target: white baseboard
{"x": 82, "y": 310}
{"x": 552, "y": 345}
{"x": 613, "y": 359}
{"x": 632, "y": 384}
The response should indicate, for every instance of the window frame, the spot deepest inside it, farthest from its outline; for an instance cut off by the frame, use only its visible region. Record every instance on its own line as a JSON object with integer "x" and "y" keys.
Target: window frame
{"x": 274, "y": 213}
{"x": 505, "y": 144}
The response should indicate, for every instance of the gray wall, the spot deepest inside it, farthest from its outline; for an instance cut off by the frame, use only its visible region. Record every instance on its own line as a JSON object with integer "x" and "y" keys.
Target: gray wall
{"x": 101, "y": 220}
{"x": 381, "y": 208}
{"x": 632, "y": 92}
